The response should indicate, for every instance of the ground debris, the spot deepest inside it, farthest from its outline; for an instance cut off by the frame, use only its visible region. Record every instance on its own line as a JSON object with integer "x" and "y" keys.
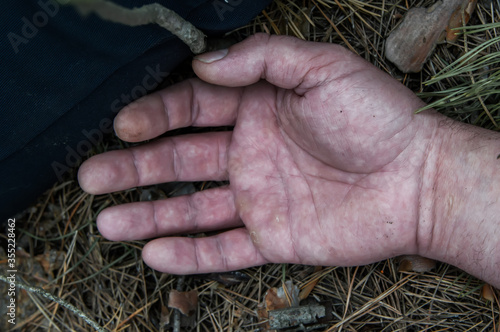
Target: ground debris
{"x": 186, "y": 302}
{"x": 413, "y": 41}
{"x": 415, "y": 263}
{"x": 109, "y": 281}
{"x": 227, "y": 278}
{"x": 281, "y": 310}
{"x": 295, "y": 316}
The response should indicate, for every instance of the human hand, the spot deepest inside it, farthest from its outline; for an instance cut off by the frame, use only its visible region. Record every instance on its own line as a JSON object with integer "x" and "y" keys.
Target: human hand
{"x": 327, "y": 162}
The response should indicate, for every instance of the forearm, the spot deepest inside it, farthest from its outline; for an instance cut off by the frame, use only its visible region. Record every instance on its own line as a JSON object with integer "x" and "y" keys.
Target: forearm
{"x": 465, "y": 211}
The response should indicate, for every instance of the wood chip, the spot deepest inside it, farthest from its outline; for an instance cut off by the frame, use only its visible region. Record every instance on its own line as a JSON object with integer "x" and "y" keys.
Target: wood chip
{"x": 411, "y": 44}
{"x": 290, "y": 317}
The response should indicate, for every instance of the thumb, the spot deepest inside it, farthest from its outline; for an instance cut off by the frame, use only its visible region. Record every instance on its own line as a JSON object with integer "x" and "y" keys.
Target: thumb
{"x": 286, "y": 62}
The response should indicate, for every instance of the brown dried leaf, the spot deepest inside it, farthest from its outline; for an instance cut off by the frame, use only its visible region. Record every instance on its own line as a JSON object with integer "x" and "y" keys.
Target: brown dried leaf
{"x": 279, "y": 298}
{"x": 262, "y": 313}
{"x": 51, "y": 260}
{"x": 165, "y": 316}
{"x": 273, "y": 301}
{"x": 186, "y": 302}
{"x": 415, "y": 263}
{"x": 307, "y": 289}
{"x": 487, "y": 293}
{"x": 464, "y": 13}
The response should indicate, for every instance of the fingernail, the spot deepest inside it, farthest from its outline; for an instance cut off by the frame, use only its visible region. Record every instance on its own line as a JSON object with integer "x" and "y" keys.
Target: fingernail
{"x": 211, "y": 56}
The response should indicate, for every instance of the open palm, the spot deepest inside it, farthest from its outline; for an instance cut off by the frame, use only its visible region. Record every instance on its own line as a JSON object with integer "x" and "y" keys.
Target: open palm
{"x": 325, "y": 162}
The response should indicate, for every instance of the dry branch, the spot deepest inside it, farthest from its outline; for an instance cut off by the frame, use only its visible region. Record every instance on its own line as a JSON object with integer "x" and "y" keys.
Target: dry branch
{"x": 148, "y": 14}
{"x": 75, "y": 310}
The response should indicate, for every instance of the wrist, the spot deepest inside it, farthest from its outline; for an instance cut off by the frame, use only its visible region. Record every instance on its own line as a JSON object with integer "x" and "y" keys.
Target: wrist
{"x": 460, "y": 222}
{"x": 429, "y": 177}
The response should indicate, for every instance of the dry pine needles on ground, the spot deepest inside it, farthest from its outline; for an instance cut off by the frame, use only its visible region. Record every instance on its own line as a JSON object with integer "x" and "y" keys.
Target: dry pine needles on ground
{"x": 61, "y": 251}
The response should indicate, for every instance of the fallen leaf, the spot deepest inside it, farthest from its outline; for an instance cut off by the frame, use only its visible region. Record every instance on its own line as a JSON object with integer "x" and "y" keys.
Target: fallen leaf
{"x": 415, "y": 263}
{"x": 283, "y": 297}
{"x": 277, "y": 298}
{"x": 51, "y": 260}
{"x": 487, "y": 293}
{"x": 186, "y": 302}
{"x": 464, "y": 13}
{"x": 165, "y": 316}
{"x": 307, "y": 289}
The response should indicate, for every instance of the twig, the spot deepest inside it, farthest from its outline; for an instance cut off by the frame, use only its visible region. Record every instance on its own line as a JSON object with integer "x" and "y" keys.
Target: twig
{"x": 147, "y": 14}
{"x": 177, "y": 313}
{"x": 40, "y": 291}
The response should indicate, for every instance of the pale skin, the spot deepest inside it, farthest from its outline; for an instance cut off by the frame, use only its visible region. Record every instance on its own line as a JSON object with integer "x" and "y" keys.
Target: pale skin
{"x": 327, "y": 165}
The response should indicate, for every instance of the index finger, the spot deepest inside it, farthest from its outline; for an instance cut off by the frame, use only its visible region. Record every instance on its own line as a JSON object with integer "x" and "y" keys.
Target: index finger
{"x": 189, "y": 103}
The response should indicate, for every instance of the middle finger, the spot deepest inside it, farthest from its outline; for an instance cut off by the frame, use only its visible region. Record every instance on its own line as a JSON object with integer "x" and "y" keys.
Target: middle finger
{"x": 195, "y": 157}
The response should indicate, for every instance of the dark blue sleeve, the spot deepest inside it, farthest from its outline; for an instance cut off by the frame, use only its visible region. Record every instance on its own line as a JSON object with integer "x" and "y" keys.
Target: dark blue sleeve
{"x": 64, "y": 77}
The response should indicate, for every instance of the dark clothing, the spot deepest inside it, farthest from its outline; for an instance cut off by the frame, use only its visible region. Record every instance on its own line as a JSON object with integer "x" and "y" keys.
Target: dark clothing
{"x": 63, "y": 78}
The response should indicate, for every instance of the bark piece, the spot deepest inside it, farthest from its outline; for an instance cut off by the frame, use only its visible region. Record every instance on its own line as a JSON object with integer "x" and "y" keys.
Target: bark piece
{"x": 412, "y": 42}
{"x": 295, "y": 316}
